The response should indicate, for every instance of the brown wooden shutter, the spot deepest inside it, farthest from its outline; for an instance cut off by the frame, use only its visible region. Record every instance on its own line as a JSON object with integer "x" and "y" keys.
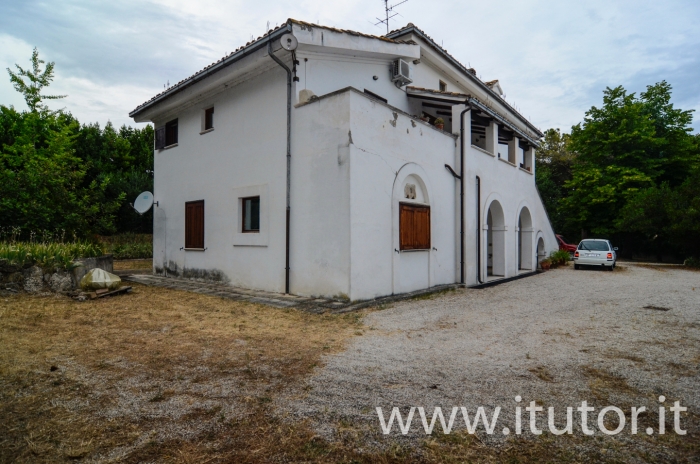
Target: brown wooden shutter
{"x": 160, "y": 138}
{"x": 194, "y": 224}
{"x": 414, "y": 227}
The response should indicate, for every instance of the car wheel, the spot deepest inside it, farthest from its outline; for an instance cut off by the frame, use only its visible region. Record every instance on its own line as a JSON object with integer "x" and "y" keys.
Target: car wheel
{"x": 576, "y": 266}
{"x": 612, "y": 268}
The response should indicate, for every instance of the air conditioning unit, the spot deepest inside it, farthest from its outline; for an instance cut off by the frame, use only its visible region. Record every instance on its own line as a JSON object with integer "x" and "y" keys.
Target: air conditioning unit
{"x": 401, "y": 72}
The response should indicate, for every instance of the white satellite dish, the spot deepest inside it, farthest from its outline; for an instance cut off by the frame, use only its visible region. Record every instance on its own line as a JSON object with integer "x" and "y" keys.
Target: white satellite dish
{"x": 143, "y": 202}
{"x": 289, "y": 42}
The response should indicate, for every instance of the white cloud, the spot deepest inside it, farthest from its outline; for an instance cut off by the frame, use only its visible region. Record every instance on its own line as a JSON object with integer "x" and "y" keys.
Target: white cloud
{"x": 553, "y": 58}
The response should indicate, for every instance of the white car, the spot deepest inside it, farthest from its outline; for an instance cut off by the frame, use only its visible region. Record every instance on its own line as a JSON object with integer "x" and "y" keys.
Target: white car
{"x": 595, "y": 252}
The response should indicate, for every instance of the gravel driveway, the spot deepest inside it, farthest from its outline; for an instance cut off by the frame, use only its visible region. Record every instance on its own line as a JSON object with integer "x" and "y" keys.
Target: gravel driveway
{"x": 557, "y": 338}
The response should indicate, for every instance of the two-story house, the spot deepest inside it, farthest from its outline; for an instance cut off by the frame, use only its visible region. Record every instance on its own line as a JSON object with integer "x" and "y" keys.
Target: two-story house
{"x": 312, "y": 161}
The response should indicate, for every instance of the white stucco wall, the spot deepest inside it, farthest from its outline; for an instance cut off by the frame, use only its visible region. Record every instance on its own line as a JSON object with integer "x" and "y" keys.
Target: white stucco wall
{"x": 243, "y": 155}
{"x": 347, "y": 183}
{"x": 513, "y": 188}
{"x": 351, "y": 156}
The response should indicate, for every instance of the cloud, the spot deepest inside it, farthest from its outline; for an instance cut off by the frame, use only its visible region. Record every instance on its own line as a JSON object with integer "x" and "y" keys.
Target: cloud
{"x": 553, "y": 59}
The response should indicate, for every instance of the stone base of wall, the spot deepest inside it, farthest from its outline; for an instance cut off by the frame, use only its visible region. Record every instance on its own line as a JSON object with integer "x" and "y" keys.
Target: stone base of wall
{"x": 34, "y": 279}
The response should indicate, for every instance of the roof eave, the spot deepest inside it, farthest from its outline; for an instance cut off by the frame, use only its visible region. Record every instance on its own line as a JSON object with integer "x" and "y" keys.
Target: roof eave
{"x": 231, "y": 59}
{"x": 460, "y": 66}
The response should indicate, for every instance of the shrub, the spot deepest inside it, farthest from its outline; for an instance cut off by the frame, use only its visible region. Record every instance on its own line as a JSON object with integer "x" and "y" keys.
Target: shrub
{"x": 559, "y": 257}
{"x": 692, "y": 262}
{"x": 48, "y": 255}
{"x": 129, "y": 245}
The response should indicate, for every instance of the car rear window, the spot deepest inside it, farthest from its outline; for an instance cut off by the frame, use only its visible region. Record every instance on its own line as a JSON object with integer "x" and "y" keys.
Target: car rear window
{"x": 593, "y": 245}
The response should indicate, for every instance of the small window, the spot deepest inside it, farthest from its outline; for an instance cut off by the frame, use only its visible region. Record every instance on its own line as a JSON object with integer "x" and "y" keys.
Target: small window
{"x": 414, "y": 226}
{"x": 209, "y": 118}
{"x": 171, "y": 133}
{"x": 251, "y": 214}
{"x": 443, "y": 86}
{"x": 194, "y": 224}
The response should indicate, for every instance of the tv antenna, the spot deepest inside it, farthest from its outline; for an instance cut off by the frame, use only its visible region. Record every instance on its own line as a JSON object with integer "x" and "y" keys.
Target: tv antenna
{"x": 388, "y": 13}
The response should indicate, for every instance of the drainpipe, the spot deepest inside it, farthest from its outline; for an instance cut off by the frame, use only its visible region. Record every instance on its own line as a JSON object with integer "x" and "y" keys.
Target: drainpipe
{"x": 461, "y": 193}
{"x": 289, "y": 157}
{"x": 478, "y": 229}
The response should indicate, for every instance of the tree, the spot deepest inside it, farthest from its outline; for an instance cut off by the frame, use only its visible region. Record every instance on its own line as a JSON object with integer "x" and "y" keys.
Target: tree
{"x": 628, "y": 145}
{"x": 43, "y": 184}
{"x": 554, "y": 161}
{"x": 37, "y": 81}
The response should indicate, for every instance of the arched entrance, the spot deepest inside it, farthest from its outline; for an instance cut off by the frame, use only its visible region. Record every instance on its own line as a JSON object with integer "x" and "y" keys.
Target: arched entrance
{"x": 525, "y": 234}
{"x": 495, "y": 241}
{"x": 412, "y": 231}
{"x": 541, "y": 253}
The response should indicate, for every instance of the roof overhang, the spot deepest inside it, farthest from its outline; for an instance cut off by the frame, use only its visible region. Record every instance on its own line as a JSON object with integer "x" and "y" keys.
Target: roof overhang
{"x": 419, "y": 34}
{"x": 244, "y": 52}
{"x": 453, "y": 98}
{"x": 320, "y": 39}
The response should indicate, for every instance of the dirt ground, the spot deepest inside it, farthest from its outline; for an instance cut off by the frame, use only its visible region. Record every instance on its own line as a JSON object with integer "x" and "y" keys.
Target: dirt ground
{"x": 168, "y": 376}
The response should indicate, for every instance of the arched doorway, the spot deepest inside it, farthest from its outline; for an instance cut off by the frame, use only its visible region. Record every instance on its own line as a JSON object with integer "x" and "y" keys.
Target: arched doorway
{"x": 495, "y": 241}
{"x": 525, "y": 233}
{"x": 541, "y": 253}
{"x": 412, "y": 231}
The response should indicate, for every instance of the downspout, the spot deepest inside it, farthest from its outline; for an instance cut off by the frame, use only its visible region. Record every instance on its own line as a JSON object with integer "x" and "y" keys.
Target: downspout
{"x": 461, "y": 194}
{"x": 478, "y": 229}
{"x": 289, "y": 157}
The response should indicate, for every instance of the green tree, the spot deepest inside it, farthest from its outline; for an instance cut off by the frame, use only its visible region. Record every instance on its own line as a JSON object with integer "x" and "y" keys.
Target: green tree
{"x": 622, "y": 148}
{"x": 554, "y": 162}
{"x": 43, "y": 184}
{"x": 38, "y": 79}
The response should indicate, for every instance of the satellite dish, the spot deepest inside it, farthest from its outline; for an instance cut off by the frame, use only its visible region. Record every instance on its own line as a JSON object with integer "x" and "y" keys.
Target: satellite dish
{"x": 143, "y": 202}
{"x": 289, "y": 42}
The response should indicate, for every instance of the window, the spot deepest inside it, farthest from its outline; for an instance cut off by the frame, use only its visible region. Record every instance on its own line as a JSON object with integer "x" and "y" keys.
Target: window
{"x": 194, "y": 225}
{"x": 414, "y": 226}
{"x": 171, "y": 133}
{"x": 443, "y": 86}
{"x": 209, "y": 118}
{"x": 593, "y": 245}
{"x": 251, "y": 214}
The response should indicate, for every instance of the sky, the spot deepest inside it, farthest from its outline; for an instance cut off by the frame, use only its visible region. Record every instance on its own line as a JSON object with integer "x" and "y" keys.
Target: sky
{"x": 553, "y": 58}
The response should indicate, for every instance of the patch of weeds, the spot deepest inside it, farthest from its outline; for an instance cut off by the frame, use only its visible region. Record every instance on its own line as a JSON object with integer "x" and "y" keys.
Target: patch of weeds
{"x": 542, "y": 373}
{"x": 602, "y": 383}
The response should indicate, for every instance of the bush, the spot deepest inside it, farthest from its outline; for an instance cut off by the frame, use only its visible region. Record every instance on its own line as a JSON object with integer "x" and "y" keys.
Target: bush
{"x": 559, "y": 257}
{"x": 692, "y": 262}
{"x": 129, "y": 246}
{"x": 48, "y": 255}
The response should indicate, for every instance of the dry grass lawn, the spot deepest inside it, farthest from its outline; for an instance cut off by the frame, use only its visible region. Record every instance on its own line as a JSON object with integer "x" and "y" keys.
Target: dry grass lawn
{"x": 157, "y": 375}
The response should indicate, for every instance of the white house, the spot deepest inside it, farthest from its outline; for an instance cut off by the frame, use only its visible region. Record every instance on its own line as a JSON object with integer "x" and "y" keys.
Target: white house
{"x": 306, "y": 162}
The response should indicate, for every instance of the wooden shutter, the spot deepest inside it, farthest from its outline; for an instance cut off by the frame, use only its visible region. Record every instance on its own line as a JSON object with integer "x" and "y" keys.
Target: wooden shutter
{"x": 414, "y": 227}
{"x": 194, "y": 224}
{"x": 160, "y": 138}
